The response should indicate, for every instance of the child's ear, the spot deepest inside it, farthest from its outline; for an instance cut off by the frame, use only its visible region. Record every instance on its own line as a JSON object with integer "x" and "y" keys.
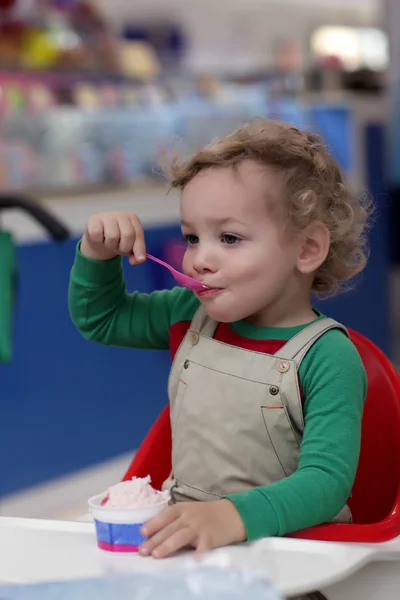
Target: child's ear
{"x": 314, "y": 247}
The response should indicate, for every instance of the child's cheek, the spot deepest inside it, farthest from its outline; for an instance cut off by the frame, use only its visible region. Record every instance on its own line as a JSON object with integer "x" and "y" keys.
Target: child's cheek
{"x": 187, "y": 263}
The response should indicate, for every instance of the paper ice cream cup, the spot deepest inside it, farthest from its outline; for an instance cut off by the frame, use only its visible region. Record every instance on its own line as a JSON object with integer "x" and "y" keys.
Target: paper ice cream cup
{"x": 118, "y": 529}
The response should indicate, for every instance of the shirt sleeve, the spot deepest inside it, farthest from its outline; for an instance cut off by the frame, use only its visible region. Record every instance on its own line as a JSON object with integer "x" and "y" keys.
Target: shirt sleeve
{"x": 334, "y": 386}
{"x": 103, "y": 310}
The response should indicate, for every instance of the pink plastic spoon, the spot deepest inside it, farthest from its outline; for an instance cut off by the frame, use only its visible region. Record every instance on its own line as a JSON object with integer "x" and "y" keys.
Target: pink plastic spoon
{"x": 182, "y": 279}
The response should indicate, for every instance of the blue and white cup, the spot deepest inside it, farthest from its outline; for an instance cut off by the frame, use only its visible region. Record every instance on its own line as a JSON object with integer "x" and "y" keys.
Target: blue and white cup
{"x": 118, "y": 529}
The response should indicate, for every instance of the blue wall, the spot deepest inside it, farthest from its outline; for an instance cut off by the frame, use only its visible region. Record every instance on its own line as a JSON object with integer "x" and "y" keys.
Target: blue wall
{"x": 367, "y": 308}
{"x": 67, "y": 403}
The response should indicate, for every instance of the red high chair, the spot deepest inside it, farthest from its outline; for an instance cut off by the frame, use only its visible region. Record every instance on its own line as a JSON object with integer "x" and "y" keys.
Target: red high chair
{"x": 375, "y": 499}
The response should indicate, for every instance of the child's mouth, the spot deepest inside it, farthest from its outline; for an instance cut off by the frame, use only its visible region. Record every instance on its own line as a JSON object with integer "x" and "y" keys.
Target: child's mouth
{"x": 209, "y": 292}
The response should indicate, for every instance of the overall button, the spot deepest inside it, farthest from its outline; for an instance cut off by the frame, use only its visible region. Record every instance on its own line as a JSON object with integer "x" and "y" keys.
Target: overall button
{"x": 186, "y": 364}
{"x": 194, "y": 338}
{"x": 283, "y": 366}
{"x": 274, "y": 390}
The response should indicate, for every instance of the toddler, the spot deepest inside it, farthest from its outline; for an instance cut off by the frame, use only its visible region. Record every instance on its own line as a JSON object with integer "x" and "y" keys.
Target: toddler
{"x": 266, "y": 393}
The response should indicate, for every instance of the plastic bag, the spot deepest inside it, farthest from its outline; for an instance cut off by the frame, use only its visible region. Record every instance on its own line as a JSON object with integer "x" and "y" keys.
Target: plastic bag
{"x": 208, "y": 583}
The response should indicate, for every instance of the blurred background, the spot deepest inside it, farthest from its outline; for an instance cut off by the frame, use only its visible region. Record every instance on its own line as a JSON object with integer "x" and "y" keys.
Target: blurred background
{"x": 92, "y": 95}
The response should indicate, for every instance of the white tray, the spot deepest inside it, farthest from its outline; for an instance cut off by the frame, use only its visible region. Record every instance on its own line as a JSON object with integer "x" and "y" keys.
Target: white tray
{"x": 34, "y": 550}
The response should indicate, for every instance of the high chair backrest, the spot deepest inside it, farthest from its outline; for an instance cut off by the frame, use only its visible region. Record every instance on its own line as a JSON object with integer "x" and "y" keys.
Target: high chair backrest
{"x": 378, "y": 476}
{"x": 154, "y": 455}
{"x": 377, "y": 486}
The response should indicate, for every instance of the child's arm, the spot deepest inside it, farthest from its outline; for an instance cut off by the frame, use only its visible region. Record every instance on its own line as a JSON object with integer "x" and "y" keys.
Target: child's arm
{"x": 99, "y": 304}
{"x": 104, "y": 312}
{"x": 334, "y": 385}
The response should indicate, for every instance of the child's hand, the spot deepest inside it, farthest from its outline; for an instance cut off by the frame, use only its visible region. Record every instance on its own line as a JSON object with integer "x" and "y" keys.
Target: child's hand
{"x": 201, "y": 525}
{"x": 112, "y": 234}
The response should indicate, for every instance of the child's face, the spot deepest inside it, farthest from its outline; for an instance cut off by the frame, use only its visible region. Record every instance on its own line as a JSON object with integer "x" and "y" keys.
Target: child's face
{"x": 236, "y": 247}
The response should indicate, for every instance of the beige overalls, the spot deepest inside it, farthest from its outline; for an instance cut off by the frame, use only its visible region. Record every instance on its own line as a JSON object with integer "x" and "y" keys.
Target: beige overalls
{"x": 236, "y": 414}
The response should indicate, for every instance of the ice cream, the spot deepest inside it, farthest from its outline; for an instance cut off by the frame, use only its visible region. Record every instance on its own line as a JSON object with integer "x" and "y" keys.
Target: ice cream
{"x": 120, "y": 513}
{"x": 135, "y": 493}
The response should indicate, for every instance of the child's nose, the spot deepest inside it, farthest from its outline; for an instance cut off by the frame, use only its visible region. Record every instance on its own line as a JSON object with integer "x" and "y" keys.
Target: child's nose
{"x": 203, "y": 260}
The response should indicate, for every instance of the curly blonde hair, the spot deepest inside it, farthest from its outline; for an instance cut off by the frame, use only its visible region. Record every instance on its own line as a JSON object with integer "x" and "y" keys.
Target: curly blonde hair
{"x": 314, "y": 187}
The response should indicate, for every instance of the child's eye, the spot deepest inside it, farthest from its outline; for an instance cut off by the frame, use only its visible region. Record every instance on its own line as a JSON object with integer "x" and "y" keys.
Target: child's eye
{"x": 191, "y": 239}
{"x": 230, "y": 239}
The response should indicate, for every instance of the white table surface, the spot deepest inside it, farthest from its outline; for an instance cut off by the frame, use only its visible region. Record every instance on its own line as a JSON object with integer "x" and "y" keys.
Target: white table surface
{"x": 33, "y": 550}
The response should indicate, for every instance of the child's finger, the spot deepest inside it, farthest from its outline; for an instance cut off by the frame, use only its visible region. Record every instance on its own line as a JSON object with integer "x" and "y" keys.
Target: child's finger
{"x": 128, "y": 235}
{"x": 139, "y": 246}
{"x": 204, "y": 544}
{"x": 132, "y": 260}
{"x": 164, "y": 518}
{"x": 95, "y": 230}
{"x": 158, "y": 538}
{"x": 112, "y": 234}
{"x": 181, "y": 539}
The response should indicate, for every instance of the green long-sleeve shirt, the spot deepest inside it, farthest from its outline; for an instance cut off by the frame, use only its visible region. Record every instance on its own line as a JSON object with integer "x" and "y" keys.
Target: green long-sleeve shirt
{"x": 332, "y": 378}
